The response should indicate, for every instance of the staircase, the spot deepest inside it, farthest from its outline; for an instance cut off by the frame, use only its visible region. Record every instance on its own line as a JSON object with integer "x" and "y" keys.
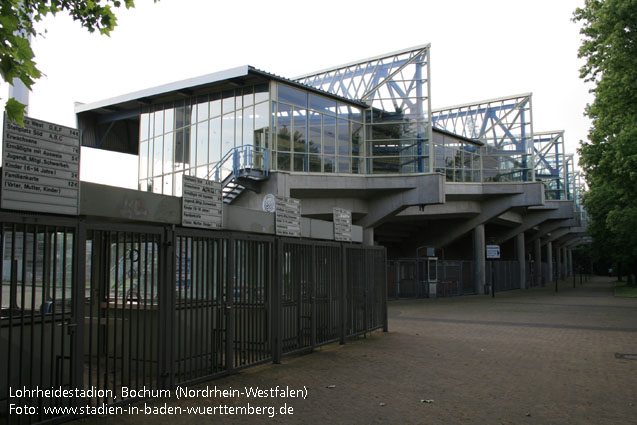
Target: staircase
{"x": 241, "y": 168}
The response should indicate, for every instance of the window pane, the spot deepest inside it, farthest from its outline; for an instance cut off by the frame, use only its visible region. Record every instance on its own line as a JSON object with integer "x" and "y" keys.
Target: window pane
{"x": 157, "y": 185}
{"x": 328, "y": 164}
{"x": 228, "y": 101}
{"x": 329, "y": 135}
{"x": 179, "y": 114}
{"x": 159, "y": 123}
{"x": 283, "y": 161}
{"x": 215, "y": 140}
{"x": 215, "y": 105}
{"x": 300, "y": 162}
{"x": 284, "y": 125}
{"x": 239, "y": 127}
{"x": 300, "y": 130}
{"x": 291, "y": 95}
{"x": 143, "y": 126}
{"x": 248, "y": 96}
{"x": 193, "y": 145}
{"x": 322, "y": 104}
{"x": 343, "y": 165}
{"x": 357, "y": 138}
{"x": 168, "y": 153}
{"x": 315, "y": 164}
{"x": 227, "y": 133}
{"x": 158, "y": 154}
{"x": 248, "y": 126}
{"x": 261, "y": 92}
{"x": 169, "y": 120}
{"x": 314, "y": 133}
{"x": 260, "y": 124}
{"x": 168, "y": 184}
{"x": 143, "y": 159}
{"x": 179, "y": 149}
{"x": 343, "y": 137}
{"x": 202, "y": 108}
{"x": 202, "y": 143}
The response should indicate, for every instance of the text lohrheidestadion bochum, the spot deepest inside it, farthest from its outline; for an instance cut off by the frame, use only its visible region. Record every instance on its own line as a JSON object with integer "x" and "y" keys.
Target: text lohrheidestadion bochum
{"x": 179, "y": 392}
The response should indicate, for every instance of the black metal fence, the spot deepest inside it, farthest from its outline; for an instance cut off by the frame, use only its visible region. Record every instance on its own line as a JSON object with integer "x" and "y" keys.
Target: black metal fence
{"x": 101, "y": 306}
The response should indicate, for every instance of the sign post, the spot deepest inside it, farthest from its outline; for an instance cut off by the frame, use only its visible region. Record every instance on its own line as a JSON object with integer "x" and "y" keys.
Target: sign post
{"x": 40, "y": 167}
{"x": 202, "y": 203}
{"x": 342, "y": 224}
{"x": 288, "y": 216}
{"x": 493, "y": 252}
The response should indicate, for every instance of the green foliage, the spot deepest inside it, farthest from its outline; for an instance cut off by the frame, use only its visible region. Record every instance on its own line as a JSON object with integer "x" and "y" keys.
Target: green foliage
{"x": 17, "y": 18}
{"x": 609, "y": 157}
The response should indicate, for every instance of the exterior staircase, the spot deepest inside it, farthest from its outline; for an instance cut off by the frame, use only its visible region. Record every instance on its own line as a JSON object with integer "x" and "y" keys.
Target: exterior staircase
{"x": 241, "y": 168}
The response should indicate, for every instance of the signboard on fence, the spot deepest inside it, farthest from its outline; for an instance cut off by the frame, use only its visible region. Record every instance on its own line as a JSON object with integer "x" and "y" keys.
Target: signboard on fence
{"x": 202, "y": 203}
{"x": 288, "y": 216}
{"x": 342, "y": 224}
{"x": 40, "y": 167}
{"x": 493, "y": 251}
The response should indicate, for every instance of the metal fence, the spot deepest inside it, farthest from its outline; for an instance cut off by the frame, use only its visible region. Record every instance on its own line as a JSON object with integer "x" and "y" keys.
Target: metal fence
{"x": 418, "y": 278}
{"x": 505, "y": 275}
{"x": 100, "y": 306}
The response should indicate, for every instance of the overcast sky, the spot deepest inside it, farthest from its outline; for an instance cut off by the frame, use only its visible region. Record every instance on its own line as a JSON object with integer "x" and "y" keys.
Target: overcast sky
{"x": 479, "y": 50}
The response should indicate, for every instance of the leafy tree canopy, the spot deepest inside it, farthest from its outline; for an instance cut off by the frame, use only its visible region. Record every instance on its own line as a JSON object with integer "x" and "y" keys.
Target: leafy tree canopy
{"x": 609, "y": 157}
{"x": 17, "y": 18}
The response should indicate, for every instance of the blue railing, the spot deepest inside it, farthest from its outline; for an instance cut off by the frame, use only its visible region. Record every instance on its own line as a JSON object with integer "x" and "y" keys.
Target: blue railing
{"x": 240, "y": 160}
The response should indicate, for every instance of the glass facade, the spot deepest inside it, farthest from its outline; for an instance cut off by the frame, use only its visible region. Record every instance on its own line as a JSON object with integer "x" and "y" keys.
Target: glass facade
{"x": 315, "y": 134}
{"x": 191, "y": 135}
{"x": 459, "y": 161}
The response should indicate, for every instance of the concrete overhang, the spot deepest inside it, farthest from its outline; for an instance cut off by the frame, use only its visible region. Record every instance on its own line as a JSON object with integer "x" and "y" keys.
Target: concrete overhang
{"x": 119, "y": 204}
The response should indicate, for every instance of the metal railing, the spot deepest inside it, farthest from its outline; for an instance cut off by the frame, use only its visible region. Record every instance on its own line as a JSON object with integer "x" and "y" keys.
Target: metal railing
{"x": 240, "y": 159}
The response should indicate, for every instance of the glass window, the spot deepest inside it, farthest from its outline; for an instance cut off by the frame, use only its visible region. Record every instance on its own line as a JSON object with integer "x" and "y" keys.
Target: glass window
{"x": 159, "y": 122}
{"x": 143, "y": 126}
{"x": 300, "y": 130}
{"x": 300, "y": 162}
{"x": 143, "y": 159}
{"x": 202, "y": 172}
{"x": 261, "y": 92}
{"x": 329, "y": 164}
{"x": 214, "y": 142}
{"x": 202, "y": 108}
{"x": 315, "y": 164}
{"x": 215, "y": 105}
{"x": 168, "y": 152}
{"x": 169, "y": 120}
{"x": 179, "y": 149}
{"x": 314, "y": 134}
{"x": 322, "y": 104}
{"x": 357, "y": 138}
{"x": 168, "y": 184}
{"x": 284, "y": 126}
{"x": 157, "y": 185}
{"x": 343, "y": 165}
{"x": 239, "y": 127}
{"x": 158, "y": 154}
{"x": 248, "y": 126}
{"x": 179, "y": 114}
{"x": 202, "y": 143}
{"x": 192, "y": 145}
{"x": 283, "y": 161}
{"x": 329, "y": 135}
{"x": 227, "y": 133}
{"x": 248, "y": 96}
{"x": 343, "y": 137}
{"x": 260, "y": 124}
{"x": 291, "y": 95}
{"x": 355, "y": 114}
{"x": 228, "y": 101}
{"x": 178, "y": 184}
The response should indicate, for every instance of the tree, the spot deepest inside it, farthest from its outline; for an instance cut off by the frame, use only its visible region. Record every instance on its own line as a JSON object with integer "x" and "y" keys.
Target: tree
{"x": 17, "y": 18}
{"x": 609, "y": 157}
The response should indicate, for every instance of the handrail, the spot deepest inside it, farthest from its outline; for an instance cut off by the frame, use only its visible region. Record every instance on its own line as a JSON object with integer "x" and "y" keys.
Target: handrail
{"x": 241, "y": 157}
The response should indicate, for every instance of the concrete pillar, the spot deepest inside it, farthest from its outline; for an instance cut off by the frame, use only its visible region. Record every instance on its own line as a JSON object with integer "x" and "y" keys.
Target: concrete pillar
{"x": 479, "y": 259}
{"x": 519, "y": 247}
{"x": 537, "y": 256}
{"x": 368, "y": 236}
{"x": 549, "y": 261}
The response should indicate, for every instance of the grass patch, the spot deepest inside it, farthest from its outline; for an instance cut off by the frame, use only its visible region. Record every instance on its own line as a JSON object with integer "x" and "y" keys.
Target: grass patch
{"x": 622, "y": 290}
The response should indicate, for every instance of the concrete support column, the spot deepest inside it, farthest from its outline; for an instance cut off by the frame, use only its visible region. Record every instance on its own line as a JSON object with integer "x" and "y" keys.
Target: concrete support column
{"x": 479, "y": 258}
{"x": 537, "y": 256}
{"x": 519, "y": 248}
{"x": 368, "y": 236}
{"x": 549, "y": 261}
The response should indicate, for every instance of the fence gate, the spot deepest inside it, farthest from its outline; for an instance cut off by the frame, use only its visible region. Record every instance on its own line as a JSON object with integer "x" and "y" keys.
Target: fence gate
{"x": 39, "y": 314}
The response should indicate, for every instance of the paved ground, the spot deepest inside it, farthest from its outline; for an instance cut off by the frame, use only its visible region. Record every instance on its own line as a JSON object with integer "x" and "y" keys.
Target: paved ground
{"x": 525, "y": 357}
